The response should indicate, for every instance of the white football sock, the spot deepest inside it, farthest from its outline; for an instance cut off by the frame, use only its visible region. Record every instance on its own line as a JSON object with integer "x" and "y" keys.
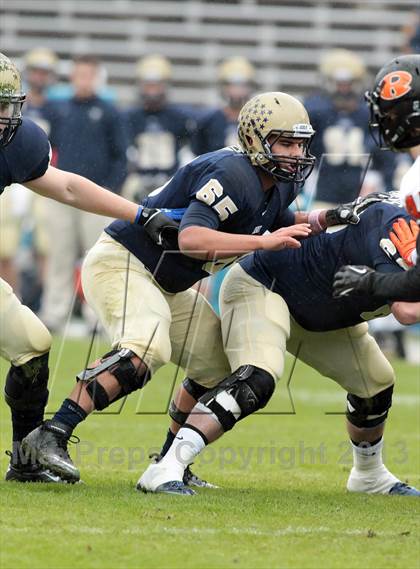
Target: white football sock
{"x": 367, "y": 458}
{"x": 185, "y": 447}
{"x": 369, "y": 474}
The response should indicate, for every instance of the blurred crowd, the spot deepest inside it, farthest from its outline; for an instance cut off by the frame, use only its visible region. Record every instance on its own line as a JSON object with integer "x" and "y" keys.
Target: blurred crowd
{"x": 135, "y": 151}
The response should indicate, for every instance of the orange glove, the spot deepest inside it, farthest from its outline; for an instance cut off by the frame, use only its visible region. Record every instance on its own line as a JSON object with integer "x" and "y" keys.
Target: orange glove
{"x": 404, "y": 237}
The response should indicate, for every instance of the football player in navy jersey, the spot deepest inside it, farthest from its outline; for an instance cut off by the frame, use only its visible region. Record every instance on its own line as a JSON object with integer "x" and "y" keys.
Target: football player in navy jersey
{"x": 395, "y": 114}
{"x": 158, "y": 130}
{"x": 217, "y": 128}
{"x": 39, "y": 75}
{"x": 139, "y": 287}
{"x": 24, "y": 340}
{"x": 277, "y": 300}
{"x": 346, "y": 155}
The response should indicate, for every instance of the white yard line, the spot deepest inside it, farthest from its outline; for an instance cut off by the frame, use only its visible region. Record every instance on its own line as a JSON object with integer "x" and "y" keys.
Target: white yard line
{"x": 281, "y": 532}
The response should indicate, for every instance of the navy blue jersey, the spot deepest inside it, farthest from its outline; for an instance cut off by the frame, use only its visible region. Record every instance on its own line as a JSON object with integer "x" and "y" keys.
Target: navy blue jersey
{"x": 304, "y": 277}
{"x": 220, "y": 190}
{"x": 156, "y": 138}
{"x": 89, "y": 137}
{"x": 344, "y": 150}
{"x": 43, "y": 115}
{"x": 26, "y": 157}
{"x": 213, "y": 131}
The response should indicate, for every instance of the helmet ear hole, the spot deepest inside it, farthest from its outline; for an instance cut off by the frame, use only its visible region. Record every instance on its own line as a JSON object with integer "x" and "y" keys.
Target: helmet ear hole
{"x": 249, "y": 139}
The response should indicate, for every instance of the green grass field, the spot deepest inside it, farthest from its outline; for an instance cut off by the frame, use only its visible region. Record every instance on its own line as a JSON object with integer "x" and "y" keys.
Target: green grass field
{"x": 282, "y": 501}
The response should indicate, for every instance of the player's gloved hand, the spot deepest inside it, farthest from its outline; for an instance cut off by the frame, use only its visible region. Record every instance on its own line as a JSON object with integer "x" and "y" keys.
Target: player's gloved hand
{"x": 160, "y": 227}
{"x": 404, "y": 237}
{"x": 352, "y": 280}
{"x": 342, "y": 214}
{"x": 349, "y": 213}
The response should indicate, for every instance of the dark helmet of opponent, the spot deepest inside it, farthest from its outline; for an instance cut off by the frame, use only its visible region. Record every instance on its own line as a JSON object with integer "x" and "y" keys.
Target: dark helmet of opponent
{"x": 11, "y": 100}
{"x": 394, "y": 104}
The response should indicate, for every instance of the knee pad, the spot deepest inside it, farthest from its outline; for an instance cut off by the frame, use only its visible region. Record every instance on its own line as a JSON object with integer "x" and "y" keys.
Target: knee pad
{"x": 195, "y": 390}
{"x": 26, "y": 385}
{"x": 248, "y": 389}
{"x": 370, "y": 412}
{"x": 176, "y": 414}
{"x": 119, "y": 364}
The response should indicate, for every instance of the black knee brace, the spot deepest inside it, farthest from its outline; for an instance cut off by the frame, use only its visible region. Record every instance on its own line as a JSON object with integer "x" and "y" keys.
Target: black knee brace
{"x": 26, "y": 393}
{"x": 119, "y": 364}
{"x": 195, "y": 390}
{"x": 369, "y": 412}
{"x": 248, "y": 389}
{"x": 176, "y": 414}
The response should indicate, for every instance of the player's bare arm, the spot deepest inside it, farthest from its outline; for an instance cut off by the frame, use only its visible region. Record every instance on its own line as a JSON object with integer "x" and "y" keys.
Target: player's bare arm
{"x": 77, "y": 191}
{"x": 205, "y": 243}
{"x": 406, "y": 312}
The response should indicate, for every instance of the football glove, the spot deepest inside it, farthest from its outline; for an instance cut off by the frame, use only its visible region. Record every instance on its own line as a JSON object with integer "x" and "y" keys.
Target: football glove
{"x": 161, "y": 229}
{"x": 349, "y": 213}
{"x": 352, "y": 280}
{"x": 404, "y": 237}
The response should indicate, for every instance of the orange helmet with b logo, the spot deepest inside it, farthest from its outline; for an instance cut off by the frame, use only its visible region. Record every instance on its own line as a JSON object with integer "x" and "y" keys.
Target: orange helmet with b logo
{"x": 395, "y": 103}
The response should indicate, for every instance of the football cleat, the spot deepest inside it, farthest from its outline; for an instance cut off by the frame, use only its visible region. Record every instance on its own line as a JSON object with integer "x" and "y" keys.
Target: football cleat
{"x": 17, "y": 471}
{"x": 173, "y": 487}
{"x": 191, "y": 479}
{"x": 375, "y": 481}
{"x": 155, "y": 457}
{"x": 158, "y": 478}
{"x": 47, "y": 444}
{"x": 403, "y": 489}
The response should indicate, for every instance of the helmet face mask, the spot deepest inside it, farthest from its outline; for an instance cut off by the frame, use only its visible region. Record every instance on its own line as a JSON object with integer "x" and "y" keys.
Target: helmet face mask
{"x": 153, "y": 73}
{"x": 11, "y": 100}
{"x": 287, "y": 168}
{"x": 272, "y": 118}
{"x": 394, "y": 104}
{"x": 343, "y": 75}
{"x": 40, "y": 67}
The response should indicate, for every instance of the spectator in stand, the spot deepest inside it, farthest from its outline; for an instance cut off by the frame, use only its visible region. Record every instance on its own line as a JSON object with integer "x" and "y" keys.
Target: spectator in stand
{"x": 89, "y": 137}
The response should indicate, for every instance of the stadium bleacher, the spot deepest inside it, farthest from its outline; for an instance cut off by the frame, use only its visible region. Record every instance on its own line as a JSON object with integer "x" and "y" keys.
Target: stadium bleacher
{"x": 284, "y": 39}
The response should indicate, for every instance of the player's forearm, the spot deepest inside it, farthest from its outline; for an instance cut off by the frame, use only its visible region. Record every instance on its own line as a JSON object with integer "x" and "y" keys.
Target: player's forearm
{"x": 204, "y": 243}
{"x": 84, "y": 194}
{"x": 79, "y": 192}
{"x": 398, "y": 286}
{"x": 316, "y": 219}
{"x": 301, "y": 217}
{"x": 406, "y": 313}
